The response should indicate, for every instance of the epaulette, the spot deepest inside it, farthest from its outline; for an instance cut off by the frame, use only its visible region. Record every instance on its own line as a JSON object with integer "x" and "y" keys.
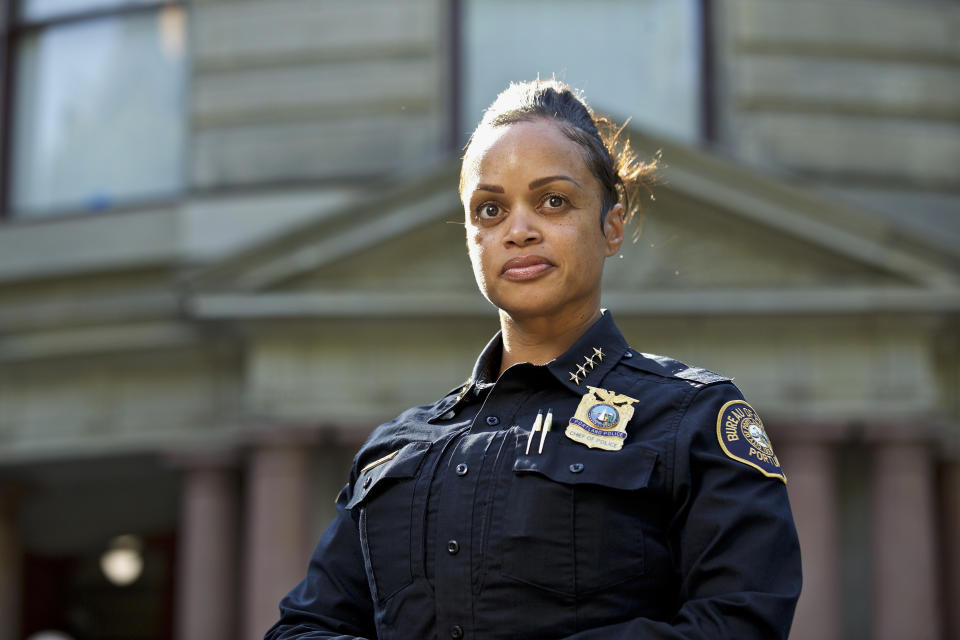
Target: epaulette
{"x": 670, "y": 368}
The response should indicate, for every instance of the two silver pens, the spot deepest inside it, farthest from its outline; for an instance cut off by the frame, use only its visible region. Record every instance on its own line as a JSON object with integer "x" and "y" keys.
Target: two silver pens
{"x": 542, "y": 425}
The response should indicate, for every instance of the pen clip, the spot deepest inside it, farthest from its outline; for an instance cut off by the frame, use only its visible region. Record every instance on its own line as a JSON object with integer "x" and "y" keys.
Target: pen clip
{"x": 546, "y": 427}
{"x": 534, "y": 429}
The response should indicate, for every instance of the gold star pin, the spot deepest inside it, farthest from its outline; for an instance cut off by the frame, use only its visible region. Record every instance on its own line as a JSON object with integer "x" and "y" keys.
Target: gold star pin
{"x": 589, "y": 362}
{"x": 574, "y": 377}
{"x": 582, "y": 371}
{"x": 463, "y": 390}
{"x": 598, "y": 352}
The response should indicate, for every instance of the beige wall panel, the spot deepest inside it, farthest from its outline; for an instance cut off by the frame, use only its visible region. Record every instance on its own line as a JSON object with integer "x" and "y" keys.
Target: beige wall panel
{"x": 213, "y": 227}
{"x": 795, "y": 369}
{"x": 915, "y": 28}
{"x": 81, "y": 301}
{"x": 287, "y": 30}
{"x": 782, "y": 82}
{"x": 359, "y": 374}
{"x": 347, "y": 87}
{"x": 106, "y": 403}
{"x": 926, "y": 154}
{"x": 432, "y": 257}
{"x": 87, "y": 243}
{"x": 687, "y": 245}
{"x": 304, "y": 150}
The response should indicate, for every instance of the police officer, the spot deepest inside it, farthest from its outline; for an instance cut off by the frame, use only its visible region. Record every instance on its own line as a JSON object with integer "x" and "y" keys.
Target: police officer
{"x": 573, "y": 487}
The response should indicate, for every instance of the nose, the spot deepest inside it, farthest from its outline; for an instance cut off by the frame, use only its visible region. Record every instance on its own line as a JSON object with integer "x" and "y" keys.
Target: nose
{"x": 523, "y": 228}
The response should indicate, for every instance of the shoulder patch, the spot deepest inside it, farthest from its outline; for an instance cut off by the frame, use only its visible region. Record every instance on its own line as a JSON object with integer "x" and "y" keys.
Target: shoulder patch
{"x": 743, "y": 438}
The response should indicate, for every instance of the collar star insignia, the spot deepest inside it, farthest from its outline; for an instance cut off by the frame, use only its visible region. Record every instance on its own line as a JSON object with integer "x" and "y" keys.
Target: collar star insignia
{"x": 463, "y": 390}
{"x": 574, "y": 377}
{"x": 598, "y": 352}
{"x": 581, "y": 370}
{"x": 588, "y": 361}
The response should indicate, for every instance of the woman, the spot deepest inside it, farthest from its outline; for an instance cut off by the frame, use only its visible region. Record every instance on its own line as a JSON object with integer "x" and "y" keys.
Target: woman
{"x": 573, "y": 487}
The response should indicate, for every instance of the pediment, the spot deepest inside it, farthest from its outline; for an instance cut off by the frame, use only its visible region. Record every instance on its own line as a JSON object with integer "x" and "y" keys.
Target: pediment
{"x": 715, "y": 229}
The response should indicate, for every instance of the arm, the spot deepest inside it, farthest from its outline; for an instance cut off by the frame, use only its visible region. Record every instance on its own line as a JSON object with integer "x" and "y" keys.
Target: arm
{"x": 333, "y": 601}
{"x": 735, "y": 544}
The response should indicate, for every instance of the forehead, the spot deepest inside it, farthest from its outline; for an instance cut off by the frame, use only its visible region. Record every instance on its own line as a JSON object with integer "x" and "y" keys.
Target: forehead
{"x": 522, "y": 150}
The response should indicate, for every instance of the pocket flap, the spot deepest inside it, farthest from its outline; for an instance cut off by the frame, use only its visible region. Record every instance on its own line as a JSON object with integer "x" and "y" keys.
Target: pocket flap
{"x": 399, "y": 464}
{"x": 627, "y": 469}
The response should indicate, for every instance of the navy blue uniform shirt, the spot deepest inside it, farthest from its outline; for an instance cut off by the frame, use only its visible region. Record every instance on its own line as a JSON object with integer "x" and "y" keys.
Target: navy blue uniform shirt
{"x": 448, "y": 528}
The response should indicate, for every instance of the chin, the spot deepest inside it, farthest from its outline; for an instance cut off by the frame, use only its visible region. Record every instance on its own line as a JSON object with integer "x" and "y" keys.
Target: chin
{"x": 522, "y": 305}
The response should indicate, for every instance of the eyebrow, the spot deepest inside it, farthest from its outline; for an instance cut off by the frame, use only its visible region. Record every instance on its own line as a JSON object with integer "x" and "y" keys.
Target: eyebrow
{"x": 542, "y": 181}
{"x": 539, "y": 182}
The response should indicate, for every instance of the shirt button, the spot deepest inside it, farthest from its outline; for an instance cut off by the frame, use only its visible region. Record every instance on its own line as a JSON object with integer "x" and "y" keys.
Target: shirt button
{"x": 462, "y": 469}
{"x": 576, "y": 467}
{"x": 492, "y": 421}
{"x": 456, "y": 632}
{"x": 449, "y": 415}
{"x": 453, "y": 547}
{"x": 367, "y": 481}
{"x": 628, "y": 355}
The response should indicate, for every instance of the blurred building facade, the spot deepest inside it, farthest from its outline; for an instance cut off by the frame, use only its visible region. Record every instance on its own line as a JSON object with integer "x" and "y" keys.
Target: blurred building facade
{"x": 226, "y": 254}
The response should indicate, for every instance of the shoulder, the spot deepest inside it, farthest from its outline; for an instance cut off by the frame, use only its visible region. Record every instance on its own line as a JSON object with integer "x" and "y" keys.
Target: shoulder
{"x": 711, "y": 417}
{"x": 411, "y": 427}
{"x": 649, "y": 374}
{"x": 671, "y": 369}
{"x": 705, "y": 410}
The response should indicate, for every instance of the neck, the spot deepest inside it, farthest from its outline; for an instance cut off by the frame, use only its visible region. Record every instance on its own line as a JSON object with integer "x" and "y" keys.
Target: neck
{"x": 538, "y": 340}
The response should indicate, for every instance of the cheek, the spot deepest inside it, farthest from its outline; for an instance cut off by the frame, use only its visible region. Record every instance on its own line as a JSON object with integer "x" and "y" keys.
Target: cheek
{"x": 477, "y": 253}
{"x": 476, "y": 245}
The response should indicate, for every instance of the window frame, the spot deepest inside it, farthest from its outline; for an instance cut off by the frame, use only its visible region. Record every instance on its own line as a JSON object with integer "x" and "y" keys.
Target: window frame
{"x": 14, "y": 28}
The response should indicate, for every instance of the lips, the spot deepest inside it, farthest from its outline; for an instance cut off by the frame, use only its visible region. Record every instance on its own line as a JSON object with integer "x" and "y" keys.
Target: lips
{"x": 525, "y": 268}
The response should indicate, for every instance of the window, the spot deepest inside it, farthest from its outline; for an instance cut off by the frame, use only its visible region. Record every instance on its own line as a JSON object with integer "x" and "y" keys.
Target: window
{"x": 96, "y": 110}
{"x": 633, "y": 58}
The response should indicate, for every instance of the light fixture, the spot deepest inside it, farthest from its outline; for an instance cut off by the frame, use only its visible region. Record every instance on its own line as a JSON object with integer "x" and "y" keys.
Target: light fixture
{"x": 122, "y": 562}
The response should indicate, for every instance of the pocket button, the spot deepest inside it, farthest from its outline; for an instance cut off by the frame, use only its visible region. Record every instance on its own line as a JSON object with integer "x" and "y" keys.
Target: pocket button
{"x": 576, "y": 467}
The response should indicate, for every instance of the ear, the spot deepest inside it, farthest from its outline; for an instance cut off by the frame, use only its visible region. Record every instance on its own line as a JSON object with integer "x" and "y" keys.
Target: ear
{"x": 613, "y": 227}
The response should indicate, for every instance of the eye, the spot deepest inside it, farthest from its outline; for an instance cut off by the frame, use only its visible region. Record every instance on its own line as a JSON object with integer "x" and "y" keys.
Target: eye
{"x": 554, "y": 201}
{"x": 488, "y": 211}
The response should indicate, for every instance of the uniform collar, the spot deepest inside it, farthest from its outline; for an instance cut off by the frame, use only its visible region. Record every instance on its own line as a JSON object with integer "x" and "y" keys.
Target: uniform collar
{"x": 591, "y": 357}
{"x": 584, "y": 363}
{"x": 483, "y": 376}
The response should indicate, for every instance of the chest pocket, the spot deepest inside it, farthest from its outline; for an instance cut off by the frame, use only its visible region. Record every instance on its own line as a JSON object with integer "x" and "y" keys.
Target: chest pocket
{"x": 575, "y": 517}
{"x": 383, "y": 495}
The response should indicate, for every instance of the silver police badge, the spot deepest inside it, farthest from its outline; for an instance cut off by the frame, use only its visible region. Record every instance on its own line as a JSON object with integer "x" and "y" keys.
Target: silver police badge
{"x": 743, "y": 438}
{"x": 601, "y": 419}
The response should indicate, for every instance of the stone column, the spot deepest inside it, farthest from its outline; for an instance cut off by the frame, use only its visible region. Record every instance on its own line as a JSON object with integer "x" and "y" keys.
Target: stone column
{"x": 11, "y": 568}
{"x": 950, "y": 510}
{"x": 812, "y": 488}
{"x": 207, "y": 571}
{"x": 905, "y": 569}
{"x": 277, "y": 525}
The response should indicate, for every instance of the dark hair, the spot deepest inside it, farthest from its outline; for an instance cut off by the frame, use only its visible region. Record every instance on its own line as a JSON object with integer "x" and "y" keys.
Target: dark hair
{"x": 606, "y": 152}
